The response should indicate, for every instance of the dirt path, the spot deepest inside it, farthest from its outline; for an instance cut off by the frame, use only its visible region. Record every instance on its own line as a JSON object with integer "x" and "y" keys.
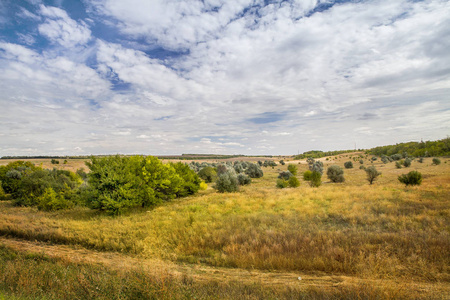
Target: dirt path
{"x": 205, "y": 273}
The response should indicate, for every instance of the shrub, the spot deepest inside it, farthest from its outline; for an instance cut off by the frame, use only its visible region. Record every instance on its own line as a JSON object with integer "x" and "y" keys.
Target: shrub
{"x": 407, "y": 162}
{"x": 281, "y": 184}
{"x": 227, "y": 182}
{"x": 293, "y": 169}
{"x": 362, "y": 167}
{"x": 372, "y": 174}
{"x": 254, "y": 171}
{"x": 396, "y": 156}
{"x": 420, "y": 160}
{"x": 335, "y": 174}
{"x": 208, "y": 174}
{"x": 348, "y": 165}
{"x": 54, "y": 162}
{"x": 293, "y": 182}
{"x": 316, "y": 179}
{"x": 244, "y": 179}
{"x": 50, "y": 201}
{"x": 2, "y": 192}
{"x": 282, "y": 162}
{"x": 384, "y": 159}
{"x": 307, "y": 175}
{"x": 361, "y": 161}
{"x": 285, "y": 175}
{"x": 203, "y": 186}
{"x": 398, "y": 165}
{"x": 412, "y": 178}
{"x": 315, "y": 166}
{"x": 436, "y": 161}
{"x": 221, "y": 169}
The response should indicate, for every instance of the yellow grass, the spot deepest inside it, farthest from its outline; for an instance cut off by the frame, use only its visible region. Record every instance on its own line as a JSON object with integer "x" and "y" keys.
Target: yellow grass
{"x": 383, "y": 231}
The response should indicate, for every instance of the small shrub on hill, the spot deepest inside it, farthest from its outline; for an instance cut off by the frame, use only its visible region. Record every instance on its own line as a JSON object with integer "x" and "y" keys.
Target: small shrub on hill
{"x": 316, "y": 179}
{"x": 285, "y": 175}
{"x": 208, "y": 174}
{"x": 244, "y": 179}
{"x": 398, "y": 165}
{"x": 281, "y": 183}
{"x": 412, "y": 178}
{"x": 348, "y": 165}
{"x": 293, "y": 169}
{"x": 254, "y": 171}
{"x": 335, "y": 174}
{"x": 293, "y": 182}
{"x": 307, "y": 175}
{"x": 227, "y": 182}
{"x": 436, "y": 161}
{"x": 407, "y": 162}
{"x": 372, "y": 174}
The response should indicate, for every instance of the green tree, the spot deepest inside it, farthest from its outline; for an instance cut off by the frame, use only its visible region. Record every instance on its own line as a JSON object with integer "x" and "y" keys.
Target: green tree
{"x": 316, "y": 179}
{"x": 335, "y": 173}
{"x": 208, "y": 174}
{"x": 372, "y": 174}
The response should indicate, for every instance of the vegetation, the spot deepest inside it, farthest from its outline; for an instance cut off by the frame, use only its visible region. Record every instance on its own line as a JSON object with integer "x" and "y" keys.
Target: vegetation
{"x": 436, "y": 161}
{"x": 407, "y": 162}
{"x": 227, "y": 182}
{"x": 293, "y": 169}
{"x": 315, "y": 166}
{"x": 415, "y": 149}
{"x": 346, "y": 241}
{"x": 372, "y": 174}
{"x": 412, "y": 178}
{"x": 285, "y": 175}
{"x": 348, "y": 165}
{"x": 335, "y": 173}
{"x": 316, "y": 179}
{"x": 307, "y": 175}
{"x": 293, "y": 182}
{"x": 319, "y": 154}
{"x": 208, "y": 174}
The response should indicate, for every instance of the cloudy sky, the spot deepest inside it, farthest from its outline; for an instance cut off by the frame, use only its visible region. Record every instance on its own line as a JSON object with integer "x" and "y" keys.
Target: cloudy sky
{"x": 221, "y": 76}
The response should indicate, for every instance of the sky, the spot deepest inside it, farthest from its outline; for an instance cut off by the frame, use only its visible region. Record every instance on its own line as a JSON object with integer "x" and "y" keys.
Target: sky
{"x": 254, "y": 77}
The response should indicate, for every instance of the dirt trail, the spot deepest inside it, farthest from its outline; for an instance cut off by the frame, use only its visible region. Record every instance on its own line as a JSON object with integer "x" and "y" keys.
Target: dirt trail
{"x": 205, "y": 273}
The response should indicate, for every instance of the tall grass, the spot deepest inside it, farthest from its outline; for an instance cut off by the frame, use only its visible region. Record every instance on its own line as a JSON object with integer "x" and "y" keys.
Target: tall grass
{"x": 380, "y": 231}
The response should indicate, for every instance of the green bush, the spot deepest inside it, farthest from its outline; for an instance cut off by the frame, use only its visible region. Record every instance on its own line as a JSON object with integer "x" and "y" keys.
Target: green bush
{"x": 348, "y": 165}
{"x": 412, "y": 178}
{"x": 361, "y": 161}
{"x": 50, "y": 201}
{"x": 244, "y": 179}
{"x": 398, "y": 164}
{"x": 315, "y": 166}
{"x": 407, "y": 162}
{"x": 372, "y": 174}
{"x": 254, "y": 171}
{"x": 420, "y": 160}
{"x": 293, "y": 182}
{"x": 436, "y": 161}
{"x": 285, "y": 175}
{"x": 307, "y": 175}
{"x": 227, "y": 182}
{"x": 281, "y": 184}
{"x": 293, "y": 169}
{"x": 362, "y": 167}
{"x": 208, "y": 174}
{"x": 55, "y": 162}
{"x": 335, "y": 174}
{"x": 316, "y": 179}
{"x": 282, "y": 162}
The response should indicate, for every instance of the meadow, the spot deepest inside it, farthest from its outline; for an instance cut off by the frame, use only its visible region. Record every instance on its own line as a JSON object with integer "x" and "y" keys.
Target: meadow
{"x": 346, "y": 240}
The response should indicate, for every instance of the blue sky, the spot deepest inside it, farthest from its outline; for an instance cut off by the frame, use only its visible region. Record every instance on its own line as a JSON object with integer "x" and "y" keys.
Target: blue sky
{"x": 232, "y": 77}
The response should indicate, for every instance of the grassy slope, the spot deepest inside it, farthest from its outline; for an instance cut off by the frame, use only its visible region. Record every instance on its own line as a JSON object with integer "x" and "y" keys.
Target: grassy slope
{"x": 385, "y": 233}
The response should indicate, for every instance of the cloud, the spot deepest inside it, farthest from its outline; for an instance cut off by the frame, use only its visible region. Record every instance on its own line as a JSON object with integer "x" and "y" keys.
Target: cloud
{"x": 61, "y": 29}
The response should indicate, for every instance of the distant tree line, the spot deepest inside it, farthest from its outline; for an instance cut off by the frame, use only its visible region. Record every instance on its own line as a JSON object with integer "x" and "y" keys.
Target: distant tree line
{"x": 415, "y": 149}
{"x": 319, "y": 154}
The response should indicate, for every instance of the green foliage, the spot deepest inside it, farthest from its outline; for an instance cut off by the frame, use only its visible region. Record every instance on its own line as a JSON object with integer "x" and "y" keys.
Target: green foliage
{"x": 407, "y": 162}
{"x": 416, "y": 149}
{"x": 254, "y": 171}
{"x": 51, "y": 201}
{"x": 293, "y": 169}
{"x": 55, "y": 162}
{"x": 285, "y": 175}
{"x": 361, "y": 161}
{"x": 412, "y": 178}
{"x": 436, "y": 161}
{"x": 11, "y": 174}
{"x": 281, "y": 183}
{"x": 2, "y": 192}
{"x": 319, "y": 154}
{"x": 348, "y": 165}
{"x": 420, "y": 160}
{"x": 307, "y": 175}
{"x": 314, "y": 165}
{"x": 117, "y": 183}
{"x": 208, "y": 174}
{"x": 335, "y": 174}
{"x": 227, "y": 182}
{"x": 372, "y": 174}
{"x": 244, "y": 179}
{"x": 293, "y": 182}
{"x": 282, "y": 162}
{"x": 316, "y": 179}
{"x": 398, "y": 164}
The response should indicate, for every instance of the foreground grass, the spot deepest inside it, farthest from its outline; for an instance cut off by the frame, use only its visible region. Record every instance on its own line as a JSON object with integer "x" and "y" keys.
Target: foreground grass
{"x": 383, "y": 231}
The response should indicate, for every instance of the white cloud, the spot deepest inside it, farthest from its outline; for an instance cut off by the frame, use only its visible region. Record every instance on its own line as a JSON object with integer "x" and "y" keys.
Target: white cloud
{"x": 60, "y": 28}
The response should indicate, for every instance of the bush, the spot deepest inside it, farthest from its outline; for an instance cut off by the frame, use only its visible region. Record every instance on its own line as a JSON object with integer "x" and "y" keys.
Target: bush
{"x": 293, "y": 169}
{"x": 293, "y": 182}
{"x": 348, "y": 165}
{"x": 282, "y": 162}
{"x": 372, "y": 174}
{"x": 407, "y": 162}
{"x": 285, "y": 175}
{"x": 244, "y": 179}
{"x": 307, "y": 175}
{"x": 50, "y": 201}
{"x": 208, "y": 174}
{"x": 362, "y": 167}
{"x": 398, "y": 165}
{"x": 316, "y": 179}
{"x": 55, "y": 162}
{"x": 2, "y": 192}
{"x": 420, "y": 160}
{"x": 281, "y": 184}
{"x": 254, "y": 171}
{"x": 396, "y": 156}
{"x": 412, "y": 178}
{"x": 315, "y": 166}
{"x": 436, "y": 161}
{"x": 335, "y": 174}
{"x": 361, "y": 161}
{"x": 227, "y": 182}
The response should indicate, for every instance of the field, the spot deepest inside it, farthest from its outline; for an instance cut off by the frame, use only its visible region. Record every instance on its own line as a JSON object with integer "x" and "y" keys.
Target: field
{"x": 346, "y": 240}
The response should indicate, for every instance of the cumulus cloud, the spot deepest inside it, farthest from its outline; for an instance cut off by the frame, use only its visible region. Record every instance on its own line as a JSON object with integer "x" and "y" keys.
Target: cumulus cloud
{"x": 60, "y": 28}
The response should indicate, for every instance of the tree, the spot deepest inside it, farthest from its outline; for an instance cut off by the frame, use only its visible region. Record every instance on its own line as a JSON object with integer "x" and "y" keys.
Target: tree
{"x": 208, "y": 174}
{"x": 244, "y": 179}
{"x": 335, "y": 174}
{"x": 254, "y": 171}
{"x": 372, "y": 174}
{"x": 293, "y": 169}
{"x": 412, "y": 178}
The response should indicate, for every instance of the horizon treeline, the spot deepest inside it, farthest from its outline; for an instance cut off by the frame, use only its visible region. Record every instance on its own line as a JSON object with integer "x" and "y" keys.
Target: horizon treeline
{"x": 415, "y": 149}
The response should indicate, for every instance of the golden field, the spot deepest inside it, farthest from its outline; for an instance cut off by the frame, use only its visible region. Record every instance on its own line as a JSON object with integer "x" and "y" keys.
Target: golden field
{"x": 346, "y": 240}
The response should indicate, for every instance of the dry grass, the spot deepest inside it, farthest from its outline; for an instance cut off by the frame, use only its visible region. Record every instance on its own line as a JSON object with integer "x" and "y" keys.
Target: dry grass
{"x": 374, "y": 232}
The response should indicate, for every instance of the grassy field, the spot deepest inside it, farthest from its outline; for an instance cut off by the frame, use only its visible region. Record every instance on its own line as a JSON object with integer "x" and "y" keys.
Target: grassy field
{"x": 349, "y": 240}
